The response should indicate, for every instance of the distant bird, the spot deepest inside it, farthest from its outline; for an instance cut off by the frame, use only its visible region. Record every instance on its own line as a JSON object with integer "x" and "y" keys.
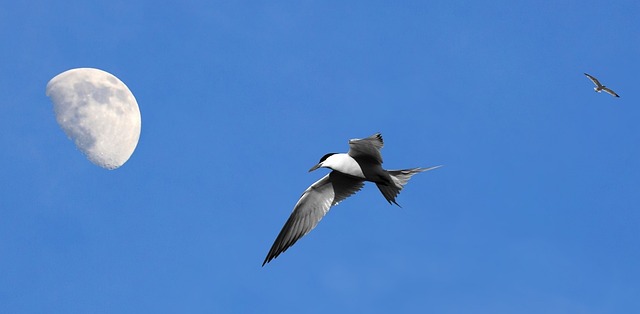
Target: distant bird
{"x": 599, "y": 87}
{"x": 362, "y": 163}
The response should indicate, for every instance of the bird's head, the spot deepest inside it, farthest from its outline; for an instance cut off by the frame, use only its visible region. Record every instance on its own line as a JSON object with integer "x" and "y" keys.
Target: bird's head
{"x": 325, "y": 162}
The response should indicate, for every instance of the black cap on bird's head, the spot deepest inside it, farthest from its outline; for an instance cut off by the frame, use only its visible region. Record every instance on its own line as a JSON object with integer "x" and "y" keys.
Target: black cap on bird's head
{"x": 320, "y": 162}
{"x": 325, "y": 157}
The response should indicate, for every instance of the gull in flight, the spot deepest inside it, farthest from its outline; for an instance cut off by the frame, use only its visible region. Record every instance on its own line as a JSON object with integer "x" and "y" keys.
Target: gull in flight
{"x": 362, "y": 163}
{"x": 599, "y": 87}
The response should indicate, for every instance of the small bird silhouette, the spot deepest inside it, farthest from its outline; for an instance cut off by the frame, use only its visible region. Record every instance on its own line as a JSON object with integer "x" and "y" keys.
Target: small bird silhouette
{"x": 599, "y": 87}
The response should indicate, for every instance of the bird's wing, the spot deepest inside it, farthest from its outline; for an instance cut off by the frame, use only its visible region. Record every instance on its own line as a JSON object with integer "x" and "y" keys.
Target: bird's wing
{"x": 610, "y": 92}
{"x": 367, "y": 148}
{"x": 314, "y": 203}
{"x": 593, "y": 79}
{"x": 344, "y": 186}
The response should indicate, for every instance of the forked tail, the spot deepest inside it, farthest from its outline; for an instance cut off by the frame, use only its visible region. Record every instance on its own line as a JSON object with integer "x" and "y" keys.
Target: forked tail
{"x": 400, "y": 178}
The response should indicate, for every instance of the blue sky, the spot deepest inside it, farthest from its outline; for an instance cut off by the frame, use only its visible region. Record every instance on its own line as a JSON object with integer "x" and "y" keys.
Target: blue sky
{"x": 534, "y": 211}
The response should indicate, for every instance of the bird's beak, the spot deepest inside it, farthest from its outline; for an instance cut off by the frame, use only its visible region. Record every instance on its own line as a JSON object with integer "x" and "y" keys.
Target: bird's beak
{"x": 315, "y": 167}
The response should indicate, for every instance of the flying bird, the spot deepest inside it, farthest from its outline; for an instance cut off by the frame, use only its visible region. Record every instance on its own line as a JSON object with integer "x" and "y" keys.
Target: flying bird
{"x": 599, "y": 87}
{"x": 362, "y": 163}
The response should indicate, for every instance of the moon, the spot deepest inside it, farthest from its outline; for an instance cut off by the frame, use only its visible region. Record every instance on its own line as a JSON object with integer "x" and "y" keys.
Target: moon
{"x": 98, "y": 113}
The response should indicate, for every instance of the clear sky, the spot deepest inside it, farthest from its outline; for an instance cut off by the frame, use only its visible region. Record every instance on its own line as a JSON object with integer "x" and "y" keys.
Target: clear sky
{"x": 536, "y": 209}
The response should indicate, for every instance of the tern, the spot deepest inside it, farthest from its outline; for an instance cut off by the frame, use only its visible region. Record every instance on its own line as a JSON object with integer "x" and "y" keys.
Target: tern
{"x": 599, "y": 87}
{"x": 362, "y": 163}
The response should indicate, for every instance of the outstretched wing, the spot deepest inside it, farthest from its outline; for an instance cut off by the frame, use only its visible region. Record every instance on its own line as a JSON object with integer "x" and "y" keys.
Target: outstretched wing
{"x": 367, "y": 148}
{"x": 594, "y": 80}
{"x": 314, "y": 203}
{"x": 610, "y": 92}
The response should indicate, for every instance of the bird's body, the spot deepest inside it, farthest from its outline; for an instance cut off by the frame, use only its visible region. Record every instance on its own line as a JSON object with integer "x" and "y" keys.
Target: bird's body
{"x": 362, "y": 163}
{"x": 343, "y": 163}
{"x": 599, "y": 87}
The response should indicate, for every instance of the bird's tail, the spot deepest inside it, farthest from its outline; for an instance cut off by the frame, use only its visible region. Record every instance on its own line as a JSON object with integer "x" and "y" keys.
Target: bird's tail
{"x": 400, "y": 178}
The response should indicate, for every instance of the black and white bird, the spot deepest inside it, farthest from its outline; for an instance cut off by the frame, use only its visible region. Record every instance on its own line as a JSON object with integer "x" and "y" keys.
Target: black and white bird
{"x": 599, "y": 87}
{"x": 362, "y": 163}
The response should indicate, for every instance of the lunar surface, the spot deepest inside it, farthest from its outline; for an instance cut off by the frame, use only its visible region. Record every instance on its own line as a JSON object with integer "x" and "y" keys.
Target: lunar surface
{"x": 98, "y": 113}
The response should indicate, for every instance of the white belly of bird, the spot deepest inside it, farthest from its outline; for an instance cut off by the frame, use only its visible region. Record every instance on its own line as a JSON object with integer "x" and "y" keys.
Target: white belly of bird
{"x": 350, "y": 166}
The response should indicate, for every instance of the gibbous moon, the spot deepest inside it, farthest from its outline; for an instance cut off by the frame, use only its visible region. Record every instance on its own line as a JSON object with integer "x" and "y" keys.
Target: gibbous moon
{"x": 98, "y": 112}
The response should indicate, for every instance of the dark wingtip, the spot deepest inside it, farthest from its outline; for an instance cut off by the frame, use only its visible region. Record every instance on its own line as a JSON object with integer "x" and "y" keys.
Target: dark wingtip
{"x": 270, "y": 256}
{"x": 267, "y": 260}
